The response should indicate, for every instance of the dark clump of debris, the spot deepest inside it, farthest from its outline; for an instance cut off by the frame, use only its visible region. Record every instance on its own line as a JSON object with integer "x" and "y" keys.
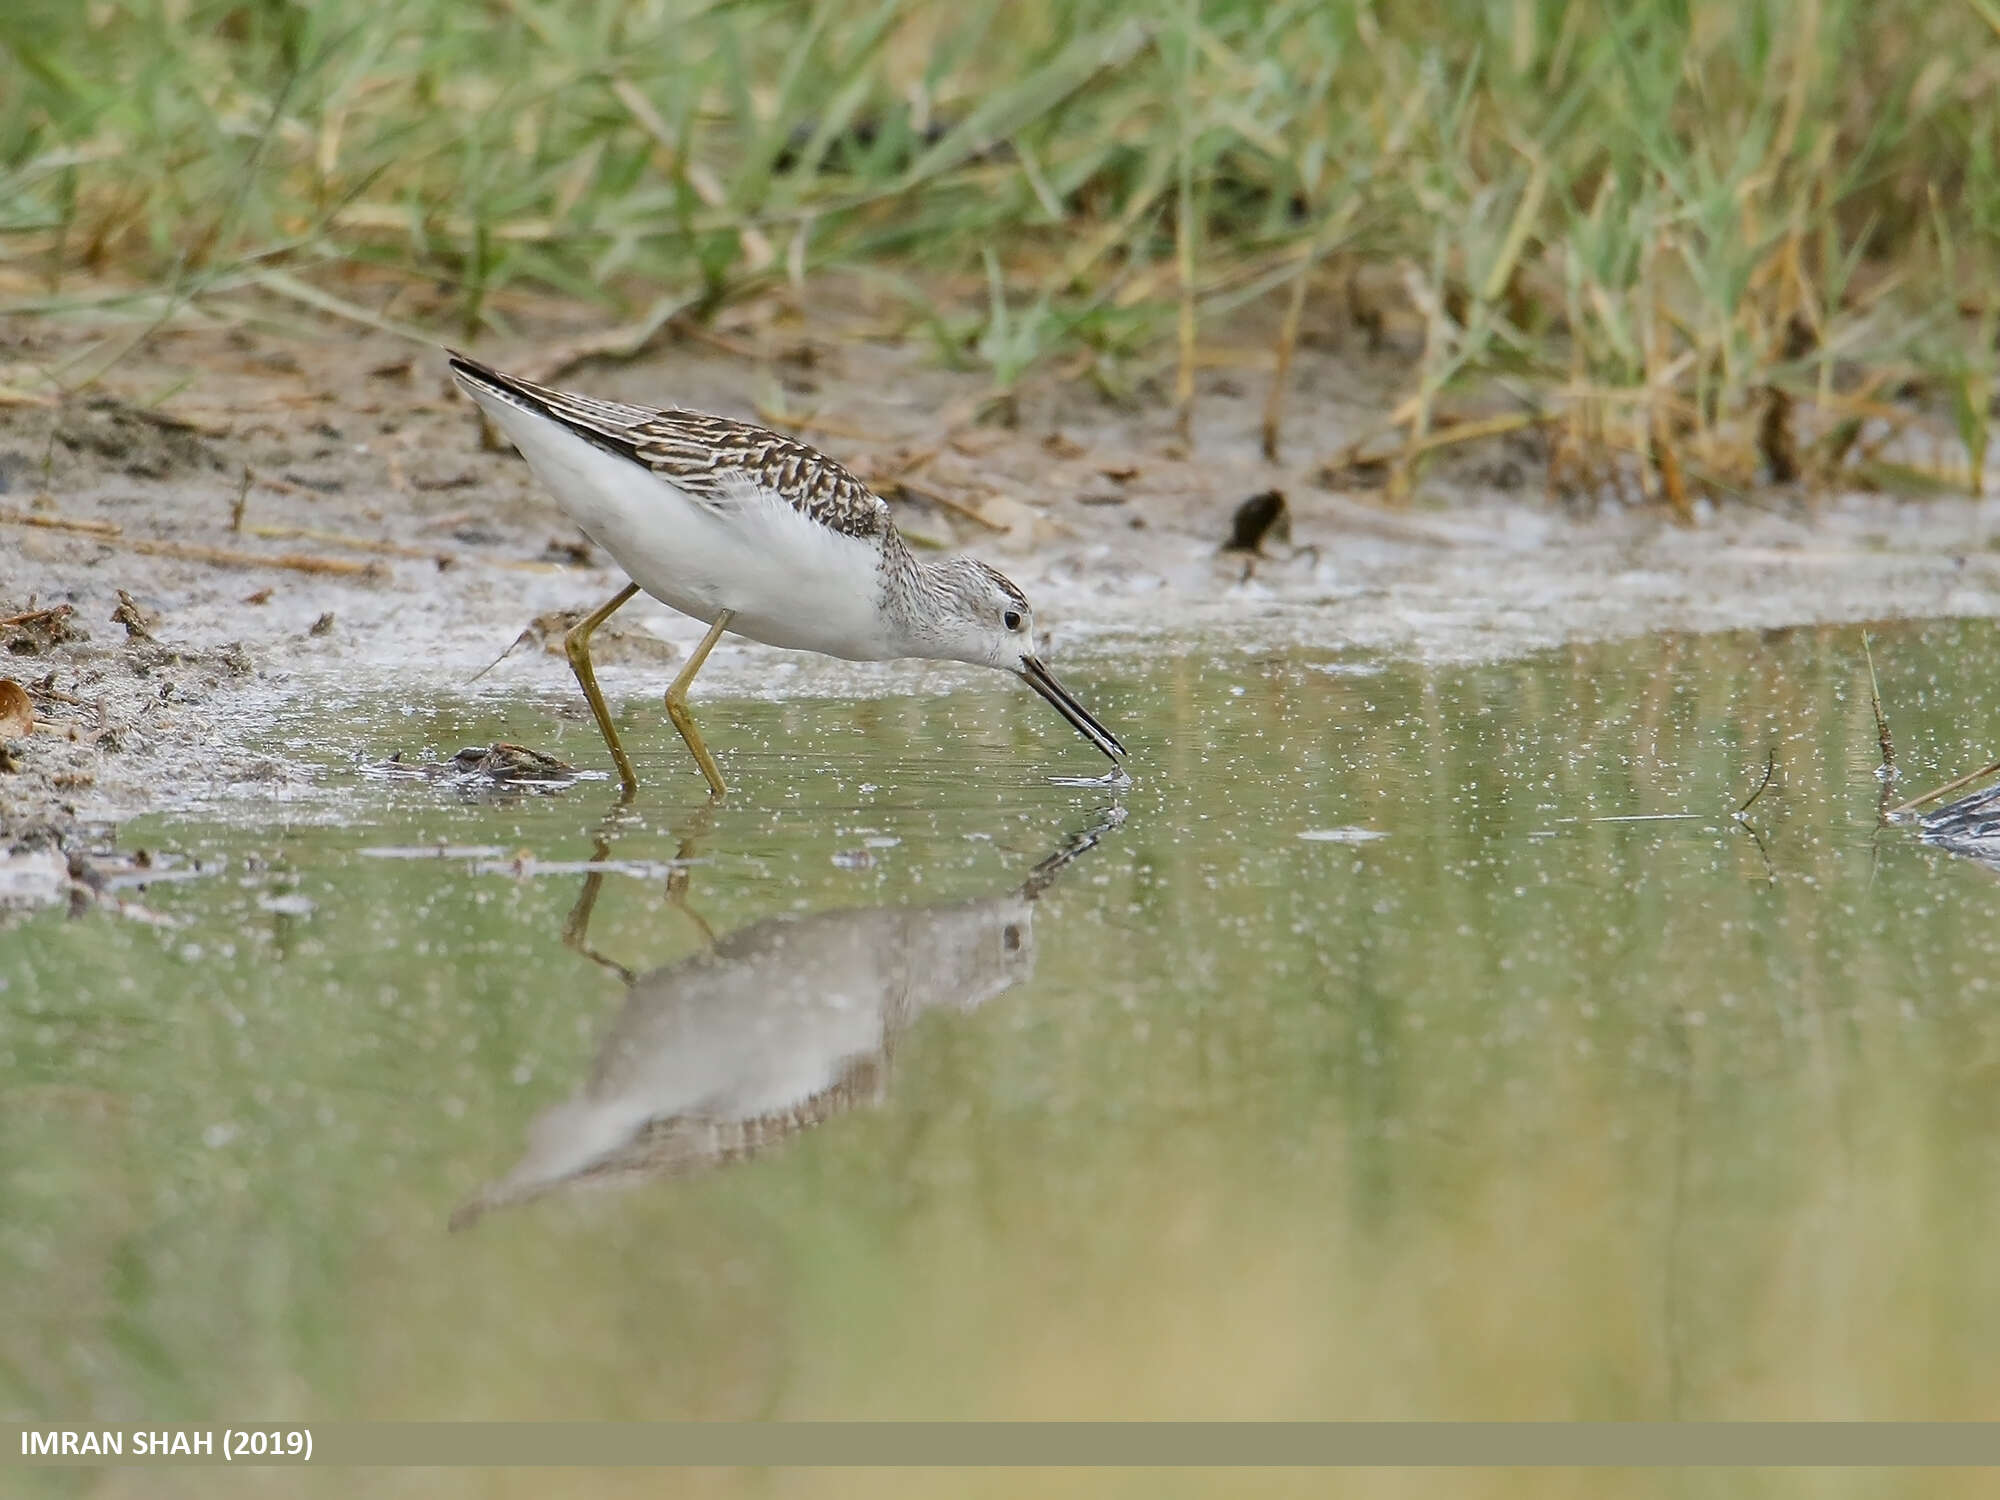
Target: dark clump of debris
{"x": 37, "y": 632}
{"x": 505, "y": 762}
{"x": 147, "y": 657}
{"x": 496, "y": 766}
{"x": 138, "y": 622}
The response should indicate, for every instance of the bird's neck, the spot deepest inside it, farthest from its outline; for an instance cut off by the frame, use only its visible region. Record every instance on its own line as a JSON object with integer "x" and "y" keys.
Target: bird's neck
{"x": 912, "y": 594}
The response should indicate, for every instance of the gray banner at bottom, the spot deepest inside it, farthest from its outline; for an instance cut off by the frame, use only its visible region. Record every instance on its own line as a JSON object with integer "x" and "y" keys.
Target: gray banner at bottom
{"x": 1013, "y": 1444}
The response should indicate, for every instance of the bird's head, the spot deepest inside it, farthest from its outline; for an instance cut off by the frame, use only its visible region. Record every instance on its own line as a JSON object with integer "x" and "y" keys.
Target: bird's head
{"x": 977, "y": 615}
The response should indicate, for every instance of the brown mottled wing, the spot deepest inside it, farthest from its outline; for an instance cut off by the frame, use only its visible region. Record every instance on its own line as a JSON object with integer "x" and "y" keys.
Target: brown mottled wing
{"x": 711, "y": 459}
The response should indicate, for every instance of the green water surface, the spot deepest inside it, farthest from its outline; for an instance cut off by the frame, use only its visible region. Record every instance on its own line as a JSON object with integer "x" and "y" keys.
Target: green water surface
{"x": 1422, "y": 1043}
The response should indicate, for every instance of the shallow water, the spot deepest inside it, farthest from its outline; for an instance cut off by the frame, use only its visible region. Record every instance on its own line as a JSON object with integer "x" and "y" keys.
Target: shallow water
{"x": 1411, "y": 1043}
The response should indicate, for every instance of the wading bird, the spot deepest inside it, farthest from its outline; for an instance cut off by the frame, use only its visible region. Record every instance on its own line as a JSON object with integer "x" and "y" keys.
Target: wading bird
{"x": 752, "y": 532}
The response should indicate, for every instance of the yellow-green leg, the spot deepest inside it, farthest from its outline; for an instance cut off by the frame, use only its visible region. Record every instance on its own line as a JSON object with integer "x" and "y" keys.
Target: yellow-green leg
{"x": 677, "y": 708}
{"x": 576, "y": 646}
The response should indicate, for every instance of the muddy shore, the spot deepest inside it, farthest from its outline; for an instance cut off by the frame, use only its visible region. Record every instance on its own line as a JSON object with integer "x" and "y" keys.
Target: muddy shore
{"x": 314, "y": 511}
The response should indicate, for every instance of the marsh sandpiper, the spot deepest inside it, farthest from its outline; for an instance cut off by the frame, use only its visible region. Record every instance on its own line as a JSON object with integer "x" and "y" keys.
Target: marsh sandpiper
{"x": 753, "y": 533}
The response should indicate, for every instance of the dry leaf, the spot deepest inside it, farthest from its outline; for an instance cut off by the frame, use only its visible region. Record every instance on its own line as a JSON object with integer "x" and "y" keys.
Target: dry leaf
{"x": 17, "y": 714}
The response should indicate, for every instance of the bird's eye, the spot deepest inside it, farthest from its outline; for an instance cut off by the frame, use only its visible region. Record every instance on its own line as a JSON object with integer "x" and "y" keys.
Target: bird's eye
{"x": 1012, "y": 619}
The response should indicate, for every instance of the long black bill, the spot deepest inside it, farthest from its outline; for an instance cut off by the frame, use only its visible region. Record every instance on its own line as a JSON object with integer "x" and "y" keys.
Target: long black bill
{"x": 1043, "y": 681}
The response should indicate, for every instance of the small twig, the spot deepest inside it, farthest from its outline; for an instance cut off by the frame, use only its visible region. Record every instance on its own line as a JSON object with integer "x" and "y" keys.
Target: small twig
{"x": 1770, "y": 870}
{"x": 1770, "y": 771}
{"x": 358, "y": 543}
{"x": 1443, "y": 433}
{"x": 625, "y": 342}
{"x": 57, "y": 695}
{"x": 700, "y": 333}
{"x": 113, "y": 535}
{"x": 1945, "y": 790}
{"x": 292, "y": 288}
{"x": 939, "y": 498}
{"x": 1875, "y": 701}
{"x": 1441, "y": 436}
{"x": 289, "y": 486}
{"x": 910, "y": 464}
{"x": 61, "y": 523}
{"x": 1672, "y": 481}
{"x": 228, "y": 557}
{"x": 1881, "y": 731}
{"x": 36, "y": 616}
{"x": 242, "y": 500}
{"x": 771, "y": 416}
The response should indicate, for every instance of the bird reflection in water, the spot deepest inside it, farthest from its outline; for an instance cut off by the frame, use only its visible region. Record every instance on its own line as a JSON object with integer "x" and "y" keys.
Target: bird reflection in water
{"x": 770, "y": 1030}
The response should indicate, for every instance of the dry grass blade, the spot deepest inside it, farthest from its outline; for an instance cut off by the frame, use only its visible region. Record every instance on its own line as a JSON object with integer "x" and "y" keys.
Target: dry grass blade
{"x": 1184, "y": 229}
{"x": 60, "y": 523}
{"x": 290, "y": 287}
{"x": 627, "y": 341}
{"x": 1943, "y": 791}
{"x": 903, "y": 489}
{"x": 39, "y": 616}
{"x": 357, "y": 543}
{"x": 229, "y": 557}
{"x": 1673, "y": 483}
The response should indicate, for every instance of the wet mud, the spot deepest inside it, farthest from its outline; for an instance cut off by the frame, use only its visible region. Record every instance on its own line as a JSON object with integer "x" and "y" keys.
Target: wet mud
{"x": 309, "y": 514}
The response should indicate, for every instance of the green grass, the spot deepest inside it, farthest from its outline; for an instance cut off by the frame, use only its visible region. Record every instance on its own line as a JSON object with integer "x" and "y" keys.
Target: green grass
{"x": 1697, "y": 238}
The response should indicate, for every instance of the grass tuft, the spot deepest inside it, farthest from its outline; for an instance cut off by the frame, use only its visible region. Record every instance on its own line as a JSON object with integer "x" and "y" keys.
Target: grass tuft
{"x": 1704, "y": 243}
